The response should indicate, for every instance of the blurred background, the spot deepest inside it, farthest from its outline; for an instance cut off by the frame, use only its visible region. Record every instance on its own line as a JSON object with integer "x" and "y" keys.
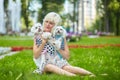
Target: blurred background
{"x": 93, "y": 35}
{"x": 79, "y": 17}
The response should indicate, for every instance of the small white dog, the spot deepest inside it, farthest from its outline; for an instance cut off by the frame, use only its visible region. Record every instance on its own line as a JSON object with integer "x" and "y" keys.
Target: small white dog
{"x": 55, "y": 38}
{"x": 59, "y": 33}
{"x": 38, "y": 29}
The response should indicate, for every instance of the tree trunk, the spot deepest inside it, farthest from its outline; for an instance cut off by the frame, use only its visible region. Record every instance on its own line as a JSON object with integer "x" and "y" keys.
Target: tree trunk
{"x": 106, "y": 23}
{"x": 117, "y": 23}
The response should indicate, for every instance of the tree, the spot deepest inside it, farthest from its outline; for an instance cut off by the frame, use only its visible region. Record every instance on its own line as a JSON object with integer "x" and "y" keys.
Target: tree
{"x": 114, "y": 6}
{"x": 25, "y": 12}
{"x": 50, "y": 6}
{"x": 74, "y": 16}
{"x": 111, "y": 15}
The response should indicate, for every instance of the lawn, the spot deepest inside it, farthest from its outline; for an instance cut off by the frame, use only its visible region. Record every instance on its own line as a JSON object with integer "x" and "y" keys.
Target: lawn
{"x": 105, "y": 60}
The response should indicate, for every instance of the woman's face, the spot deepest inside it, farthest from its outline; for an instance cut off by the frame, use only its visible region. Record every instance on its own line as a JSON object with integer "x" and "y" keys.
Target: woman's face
{"x": 48, "y": 25}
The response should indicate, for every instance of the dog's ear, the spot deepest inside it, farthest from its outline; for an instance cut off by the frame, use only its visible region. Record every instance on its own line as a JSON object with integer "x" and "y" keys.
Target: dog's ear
{"x": 33, "y": 29}
{"x": 38, "y": 24}
{"x": 53, "y": 31}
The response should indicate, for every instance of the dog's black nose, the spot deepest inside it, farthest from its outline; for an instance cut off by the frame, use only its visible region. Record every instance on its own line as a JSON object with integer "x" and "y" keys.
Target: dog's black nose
{"x": 39, "y": 30}
{"x": 35, "y": 27}
{"x": 58, "y": 31}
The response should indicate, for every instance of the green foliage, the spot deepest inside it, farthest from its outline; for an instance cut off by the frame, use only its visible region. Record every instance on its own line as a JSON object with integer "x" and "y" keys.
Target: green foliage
{"x": 5, "y": 4}
{"x": 25, "y": 12}
{"x": 50, "y": 6}
{"x": 115, "y": 5}
{"x": 111, "y": 21}
{"x": 98, "y": 24}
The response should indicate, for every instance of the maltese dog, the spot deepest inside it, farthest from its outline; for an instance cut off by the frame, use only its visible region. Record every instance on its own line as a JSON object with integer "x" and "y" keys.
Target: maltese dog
{"x": 37, "y": 29}
{"x": 58, "y": 33}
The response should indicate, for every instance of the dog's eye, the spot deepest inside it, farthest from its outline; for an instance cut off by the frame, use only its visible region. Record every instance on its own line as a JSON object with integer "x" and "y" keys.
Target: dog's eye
{"x": 60, "y": 29}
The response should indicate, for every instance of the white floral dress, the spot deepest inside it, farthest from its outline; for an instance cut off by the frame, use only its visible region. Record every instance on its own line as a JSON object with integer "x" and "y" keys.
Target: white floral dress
{"x": 49, "y": 56}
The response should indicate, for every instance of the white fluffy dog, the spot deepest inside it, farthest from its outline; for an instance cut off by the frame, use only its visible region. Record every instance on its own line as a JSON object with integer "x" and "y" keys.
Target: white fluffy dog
{"x": 37, "y": 29}
{"x": 59, "y": 33}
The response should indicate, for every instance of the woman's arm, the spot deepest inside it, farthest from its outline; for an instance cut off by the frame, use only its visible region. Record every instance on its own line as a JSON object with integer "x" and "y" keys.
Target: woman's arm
{"x": 38, "y": 49}
{"x": 65, "y": 52}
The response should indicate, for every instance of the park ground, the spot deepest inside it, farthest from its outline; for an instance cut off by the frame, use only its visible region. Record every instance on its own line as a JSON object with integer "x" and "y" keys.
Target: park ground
{"x": 99, "y": 55}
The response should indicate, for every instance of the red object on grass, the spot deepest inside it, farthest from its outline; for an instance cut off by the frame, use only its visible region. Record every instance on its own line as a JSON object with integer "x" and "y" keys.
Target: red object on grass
{"x": 19, "y": 48}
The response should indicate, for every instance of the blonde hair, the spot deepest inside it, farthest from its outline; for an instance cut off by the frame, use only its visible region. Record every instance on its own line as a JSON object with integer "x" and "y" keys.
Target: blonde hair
{"x": 53, "y": 17}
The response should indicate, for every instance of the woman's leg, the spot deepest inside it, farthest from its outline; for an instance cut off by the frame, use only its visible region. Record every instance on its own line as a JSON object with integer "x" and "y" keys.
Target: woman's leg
{"x": 55, "y": 69}
{"x": 76, "y": 70}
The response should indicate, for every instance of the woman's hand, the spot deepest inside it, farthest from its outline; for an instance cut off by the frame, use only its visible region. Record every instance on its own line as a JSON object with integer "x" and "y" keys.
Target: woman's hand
{"x": 38, "y": 49}
{"x": 65, "y": 52}
{"x": 44, "y": 40}
{"x": 46, "y": 35}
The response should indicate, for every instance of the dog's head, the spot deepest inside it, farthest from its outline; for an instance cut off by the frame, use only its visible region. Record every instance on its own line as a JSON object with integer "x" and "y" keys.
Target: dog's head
{"x": 59, "y": 31}
{"x": 37, "y": 28}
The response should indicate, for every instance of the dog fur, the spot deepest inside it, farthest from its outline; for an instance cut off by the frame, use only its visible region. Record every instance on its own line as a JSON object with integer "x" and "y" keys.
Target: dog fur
{"x": 37, "y": 29}
{"x": 58, "y": 34}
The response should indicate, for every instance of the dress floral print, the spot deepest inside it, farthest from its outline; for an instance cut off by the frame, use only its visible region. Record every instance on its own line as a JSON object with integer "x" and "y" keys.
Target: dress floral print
{"x": 49, "y": 55}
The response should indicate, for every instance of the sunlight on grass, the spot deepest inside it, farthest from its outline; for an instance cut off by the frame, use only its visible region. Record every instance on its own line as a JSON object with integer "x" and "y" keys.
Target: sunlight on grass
{"x": 97, "y": 60}
{"x": 99, "y": 40}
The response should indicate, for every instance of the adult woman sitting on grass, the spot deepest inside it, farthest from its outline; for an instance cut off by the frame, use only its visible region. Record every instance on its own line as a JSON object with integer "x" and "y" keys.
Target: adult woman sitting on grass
{"x": 51, "y": 20}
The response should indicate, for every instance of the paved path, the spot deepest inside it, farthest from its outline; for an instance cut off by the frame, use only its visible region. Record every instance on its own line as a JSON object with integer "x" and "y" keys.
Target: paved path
{"x": 8, "y": 54}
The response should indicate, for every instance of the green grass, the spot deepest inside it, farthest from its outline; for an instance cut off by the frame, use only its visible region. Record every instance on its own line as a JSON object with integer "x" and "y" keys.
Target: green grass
{"x": 16, "y": 41}
{"x": 97, "y": 60}
{"x": 95, "y": 41}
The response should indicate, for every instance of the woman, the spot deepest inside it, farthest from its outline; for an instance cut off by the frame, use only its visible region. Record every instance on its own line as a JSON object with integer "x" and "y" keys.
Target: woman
{"x": 51, "y": 63}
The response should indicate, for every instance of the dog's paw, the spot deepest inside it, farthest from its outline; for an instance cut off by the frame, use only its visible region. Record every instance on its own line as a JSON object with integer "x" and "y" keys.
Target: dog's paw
{"x": 57, "y": 45}
{"x": 46, "y": 35}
